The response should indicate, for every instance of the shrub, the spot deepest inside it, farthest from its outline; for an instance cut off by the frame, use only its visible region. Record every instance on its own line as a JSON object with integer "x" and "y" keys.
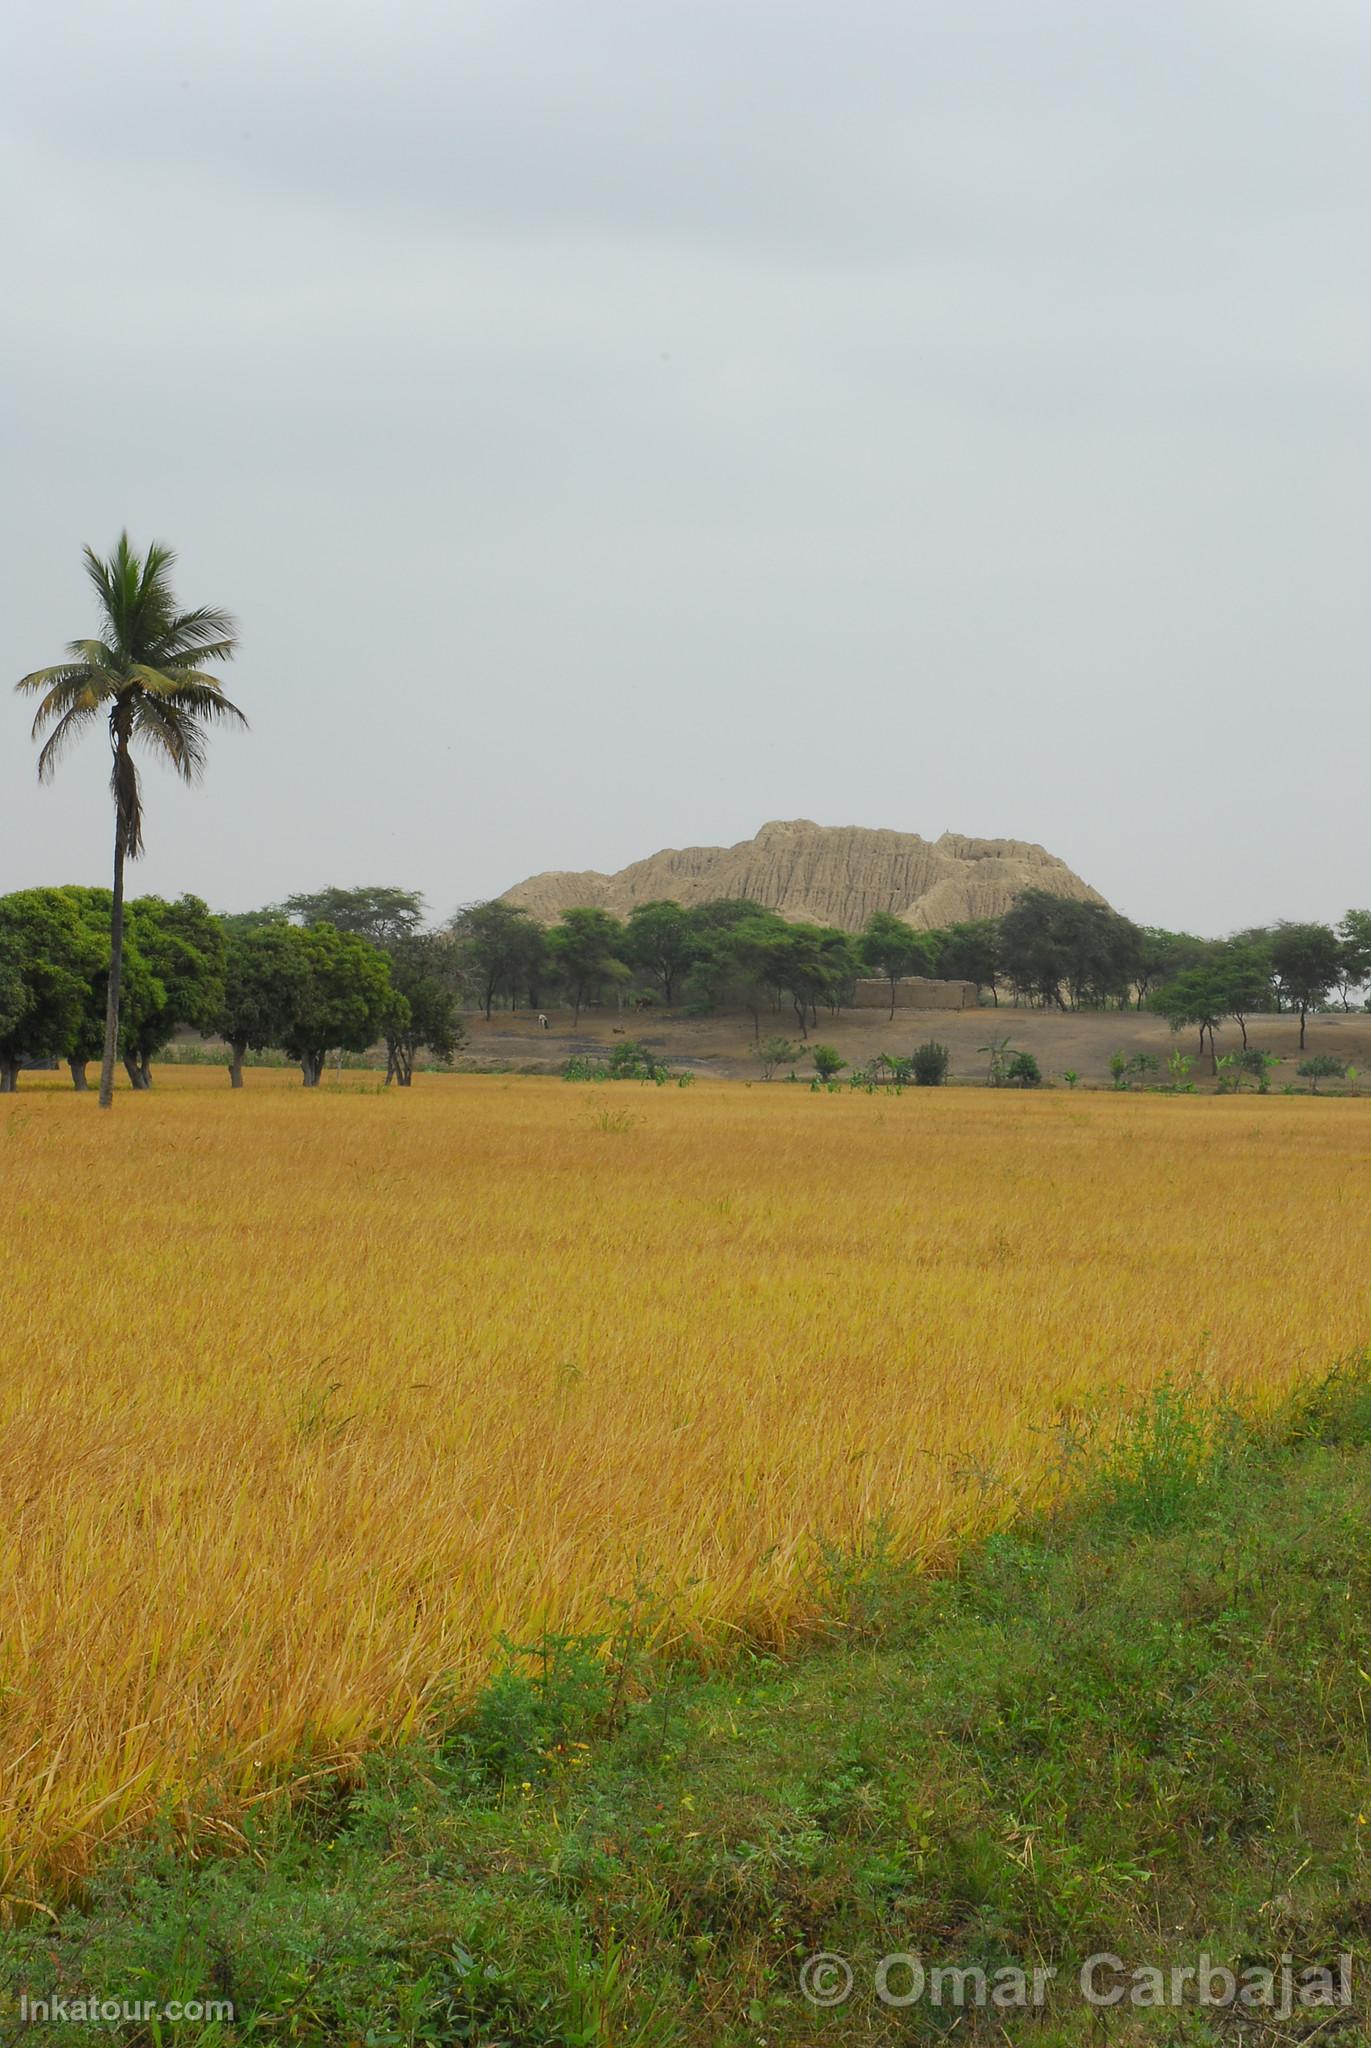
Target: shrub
{"x": 632, "y": 1061}
{"x": 776, "y": 1052}
{"x": 1024, "y": 1071}
{"x": 1322, "y": 1067}
{"x": 930, "y": 1064}
{"x": 828, "y": 1062}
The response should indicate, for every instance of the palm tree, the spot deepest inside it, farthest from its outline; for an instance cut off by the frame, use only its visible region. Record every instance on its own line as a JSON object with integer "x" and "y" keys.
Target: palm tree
{"x": 145, "y": 678}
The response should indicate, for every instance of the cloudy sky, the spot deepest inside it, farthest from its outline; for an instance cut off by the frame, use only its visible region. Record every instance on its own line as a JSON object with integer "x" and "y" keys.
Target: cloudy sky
{"x": 619, "y": 422}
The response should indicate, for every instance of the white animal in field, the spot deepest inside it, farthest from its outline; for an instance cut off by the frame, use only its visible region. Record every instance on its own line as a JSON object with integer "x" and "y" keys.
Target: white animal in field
{"x": 542, "y": 1019}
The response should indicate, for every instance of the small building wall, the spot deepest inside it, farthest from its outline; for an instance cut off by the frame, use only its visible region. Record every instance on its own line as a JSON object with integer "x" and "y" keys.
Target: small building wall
{"x": 915, "y": 992}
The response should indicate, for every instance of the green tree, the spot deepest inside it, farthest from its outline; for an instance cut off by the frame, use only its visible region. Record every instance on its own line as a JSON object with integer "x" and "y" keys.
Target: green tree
{"x": 46, "y": 961}
{"x": 970, "y": 951}
{"x": 1305, "y": 959}
{"x": 663, "y": 940}
{"x": 1199, "y": 997}
{"x": 145, "y": 678}
{"x": 739, "y": 967}
{"x": 138, "y": 993}
{"x": 1243, "y": 973}
{"x": 586, "y": 950}
{"x": 381, "y": 914}
{"x": 1054, "y": 948}
{"x": 723, "y": 913}
{"x": 1354, "y": 953}
{"x": 890, "y": 947}
{"x": 182, "y": 947}
{"x": 811, "y": 964}
{"x": 828, "y": 1062}
{"x": 1162, "y": 955}
{"x": 265, "y": 973}
{"x": 342, "y": 1001}
{"x": 423, "y": 972}
{"x": 501, "y": 949}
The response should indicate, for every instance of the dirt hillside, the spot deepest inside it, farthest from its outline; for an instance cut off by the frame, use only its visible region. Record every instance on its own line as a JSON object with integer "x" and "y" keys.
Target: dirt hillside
{"x": 831, "y": 874}
{"x": 1080, "y": 1040}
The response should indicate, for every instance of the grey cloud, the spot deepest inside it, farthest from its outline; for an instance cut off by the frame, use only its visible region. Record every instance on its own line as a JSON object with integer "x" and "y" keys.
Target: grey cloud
{"x": 619, "y": 423}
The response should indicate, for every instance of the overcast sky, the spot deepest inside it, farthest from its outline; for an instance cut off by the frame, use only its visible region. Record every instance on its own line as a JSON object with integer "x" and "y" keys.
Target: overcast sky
{"x": 619, "y": 422}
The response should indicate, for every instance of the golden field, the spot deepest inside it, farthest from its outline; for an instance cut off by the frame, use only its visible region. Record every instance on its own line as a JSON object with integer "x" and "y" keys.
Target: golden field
{"x": 307, "y": 1395}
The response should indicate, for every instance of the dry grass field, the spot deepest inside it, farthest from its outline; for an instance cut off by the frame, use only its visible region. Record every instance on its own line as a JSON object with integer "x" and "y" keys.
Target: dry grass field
{"x": 306, "y": 1396}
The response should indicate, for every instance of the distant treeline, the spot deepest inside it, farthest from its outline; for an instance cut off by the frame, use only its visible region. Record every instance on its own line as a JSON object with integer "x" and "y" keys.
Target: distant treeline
{"x": 346, "y": 969}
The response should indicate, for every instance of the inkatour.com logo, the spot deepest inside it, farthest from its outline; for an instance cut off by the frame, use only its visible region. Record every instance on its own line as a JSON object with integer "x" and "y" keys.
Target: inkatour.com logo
{"x": 92, "y": 2009}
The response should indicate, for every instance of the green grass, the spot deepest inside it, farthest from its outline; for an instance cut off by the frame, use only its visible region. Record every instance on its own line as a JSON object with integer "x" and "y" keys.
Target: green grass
{"x": 1138, "y": 1726}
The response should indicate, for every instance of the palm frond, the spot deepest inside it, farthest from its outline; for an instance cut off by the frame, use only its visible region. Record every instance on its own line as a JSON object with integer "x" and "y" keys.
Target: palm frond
{"x": 50, "y": 678}
{"x": 78, "y": 693}
{"x": 101, "y": 574}
{"x": 204, "y": 696}
{"x": 178, "y": 739}
{"x": 207, "y": 634}
{"x": 155, "y": 681}
{"x": 69, "y": 727}
{"x": 135, "y": 596}
{"x": 174, "y": 655}
{"x": 95, "y": 654}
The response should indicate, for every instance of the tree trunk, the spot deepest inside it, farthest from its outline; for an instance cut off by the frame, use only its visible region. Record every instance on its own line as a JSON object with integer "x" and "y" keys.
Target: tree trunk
{"x": 892, "y": 998}
{"x": 134, "y": 1071}
{"x": 78, "y": 1076}
{"x": 116, "y": 960}
{"x": 9, "y": 1077}
{"x": 312, "y": 1066}
{"x": 236, "y": 1052}
{"x": 1302, "y": 1016}
{"x": 145, "y": 1068}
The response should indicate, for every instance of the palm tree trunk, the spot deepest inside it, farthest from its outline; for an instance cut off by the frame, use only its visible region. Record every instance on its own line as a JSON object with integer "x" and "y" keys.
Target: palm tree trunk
{"x": 116, "y": 968}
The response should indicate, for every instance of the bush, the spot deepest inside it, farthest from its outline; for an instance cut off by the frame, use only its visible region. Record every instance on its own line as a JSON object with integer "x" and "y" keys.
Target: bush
{"x": 828, "y": 1061}
{"x": 776, "y": 1052}
{"x": 1322, "y": 1067}
{"x": 630, "y": 1061}
{"x": 930, "y": 1063}
{"x": 1024, "y": 1071}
